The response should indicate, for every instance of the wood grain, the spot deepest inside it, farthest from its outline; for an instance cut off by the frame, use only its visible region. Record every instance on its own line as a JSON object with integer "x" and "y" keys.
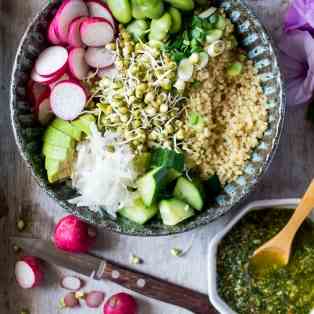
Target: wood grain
{"x": 288, "y": 176}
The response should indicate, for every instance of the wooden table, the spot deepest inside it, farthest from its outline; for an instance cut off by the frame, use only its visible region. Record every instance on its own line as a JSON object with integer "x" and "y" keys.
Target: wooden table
{"x": 288, "y": 176}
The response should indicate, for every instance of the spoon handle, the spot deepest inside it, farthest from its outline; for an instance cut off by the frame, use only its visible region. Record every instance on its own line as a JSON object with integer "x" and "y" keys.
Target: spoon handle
{"x": 302, "y": 211}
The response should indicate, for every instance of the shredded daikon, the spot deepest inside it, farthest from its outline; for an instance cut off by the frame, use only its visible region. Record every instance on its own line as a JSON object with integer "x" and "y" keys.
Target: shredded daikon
{"x": 101, "y": 175}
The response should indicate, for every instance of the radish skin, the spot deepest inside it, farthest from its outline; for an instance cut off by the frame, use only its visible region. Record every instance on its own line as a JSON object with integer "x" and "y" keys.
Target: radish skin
{"x": 52, "y": 61}
{"x": 71, "y": 283}
{"x": 64, "y": 77}
{"x": 52, "y": 36}
{"x": 28, "y": 272}
{"x": 74, "y": 35}
{"x": 68, "y": 99}
{"x": 121, "y": 303}
{"x": 77, "y": 64}
{"x": 100, "y": 57}
{"x": 98, "y": 8}
{"x": 72, "y": 235}
{"x": 96, "y": 32}
{"x": 44, "y": 80}
{"x": 68, "y": 11}
{"x": 94, "y": 299}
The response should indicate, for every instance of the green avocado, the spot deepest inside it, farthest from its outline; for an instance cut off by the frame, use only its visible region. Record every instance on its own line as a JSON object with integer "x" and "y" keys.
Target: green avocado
{"x": 55, "y": 137}
{"x": 57, "y": 170}
{"x": 67, "y": 128}
{"x": 83, "y": 123}
{"x": 57, "y": 152}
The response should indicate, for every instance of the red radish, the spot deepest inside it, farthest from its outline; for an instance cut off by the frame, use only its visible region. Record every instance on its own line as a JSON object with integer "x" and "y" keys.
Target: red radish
{"x": 100, "y": 57}
{"x": 64, "y": 77}
{"x": 110, "y": 72}
{"x": 68, "y": 11}
{"x": 44, "y": 80}
{"x": 52, "y": 61}
{"x": 121, "y": 303}
{"x": 94, "y": 299}
{"x": 52, "y": 36}
{"x": 74, "y": 235}
{"x": 96, "y": 32}
{"x": 28, "y": 272}
{"x": 74, "y": 35}
{"x": 68, "y": 99}
{"x": 71, "y": 283}
{"x": 77, "y": 64}
{"x": 98, "y": 8}
{"x": 70, "y": 300}
{"x": 45, "y": 115}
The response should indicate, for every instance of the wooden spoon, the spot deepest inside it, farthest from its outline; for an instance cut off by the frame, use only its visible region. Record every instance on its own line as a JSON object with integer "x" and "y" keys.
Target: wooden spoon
{"x": 277, "y": 250}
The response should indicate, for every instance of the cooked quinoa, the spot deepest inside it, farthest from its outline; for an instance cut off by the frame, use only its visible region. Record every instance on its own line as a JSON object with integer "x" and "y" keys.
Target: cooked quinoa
{"x": 235, "y": 118}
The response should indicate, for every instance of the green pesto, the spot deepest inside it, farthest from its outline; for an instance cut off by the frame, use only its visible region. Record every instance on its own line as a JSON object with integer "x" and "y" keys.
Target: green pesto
{"x": 283, "y": 290}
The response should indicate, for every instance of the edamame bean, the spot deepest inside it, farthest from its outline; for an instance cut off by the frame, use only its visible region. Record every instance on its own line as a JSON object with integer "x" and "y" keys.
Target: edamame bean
{"x": 160, "y": 28}
{"x": 176, "y": 20}
{"x": 138, "y": 29}
{"x": 184, "y": 5}
{"x": 137, "y": 11}
{"x": 152, "y": 9}
{"x": 121, "y": 10}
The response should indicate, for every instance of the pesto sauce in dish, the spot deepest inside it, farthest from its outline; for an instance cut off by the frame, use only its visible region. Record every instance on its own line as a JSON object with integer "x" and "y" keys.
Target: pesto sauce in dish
{"x": 283, "y": 290}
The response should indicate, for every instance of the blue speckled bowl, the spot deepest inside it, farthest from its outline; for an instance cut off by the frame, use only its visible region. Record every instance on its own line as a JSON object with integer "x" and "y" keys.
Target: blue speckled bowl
{"x": 28, "y": 133}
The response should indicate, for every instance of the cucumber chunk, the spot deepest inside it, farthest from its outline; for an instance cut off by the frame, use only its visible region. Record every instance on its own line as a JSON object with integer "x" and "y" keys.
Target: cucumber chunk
{"x": 174, "y": 211}
{"x": 189, "y": 193}
{"x": 138, "y": 212}
{"x": 151, "y": 183}
{"x": 167, "y": 158}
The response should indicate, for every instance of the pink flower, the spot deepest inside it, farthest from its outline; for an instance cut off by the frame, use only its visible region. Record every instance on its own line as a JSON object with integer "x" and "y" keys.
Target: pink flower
{"x": 300, "y": 15}
{"x": 297, "y": 62}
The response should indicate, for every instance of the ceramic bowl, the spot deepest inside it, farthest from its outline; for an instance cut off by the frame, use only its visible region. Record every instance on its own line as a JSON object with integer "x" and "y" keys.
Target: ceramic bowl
{"x": 28, "y": 133}
{"x": 214, "y": 297}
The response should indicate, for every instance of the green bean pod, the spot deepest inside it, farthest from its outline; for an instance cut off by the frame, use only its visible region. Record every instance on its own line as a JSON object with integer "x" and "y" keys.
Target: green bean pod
{"x": 121, "y": 10}
{"x": 176, "y": 20}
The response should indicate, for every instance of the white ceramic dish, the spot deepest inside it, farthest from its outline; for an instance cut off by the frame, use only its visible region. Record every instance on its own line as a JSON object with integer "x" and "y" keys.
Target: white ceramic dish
{"x": 215, "y": 299}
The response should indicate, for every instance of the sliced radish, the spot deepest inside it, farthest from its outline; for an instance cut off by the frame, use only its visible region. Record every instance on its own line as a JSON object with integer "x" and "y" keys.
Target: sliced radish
{"x": 110, "y": 72}
{"x": 70, "y": 300}
{"x": 28, "y": 272}
{"x": 100, "y": 57}
{"x": 96, "y": 32}
{"x": 52, "y": 61}
{"x": 52, "y": 36}
{"x": 45, "y": 115}
{"x": 64, "y": 77}
{"x": 71, "y": 283}
{"x": 94, "y": 299}
{"x": 74, "y": 35}
{"x": 97, "y": 8}
{"x": 68, "y": 99}
{"x": 185, "y": 70}
{"x": 69, "y": 10}
{"x": 77, "y": 64}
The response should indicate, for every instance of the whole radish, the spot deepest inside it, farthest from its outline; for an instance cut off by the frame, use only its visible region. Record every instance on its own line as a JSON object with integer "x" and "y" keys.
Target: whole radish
{"x": 28, "y": 272}
{"x": 121, "y": 303}
{"x": 73, "y": 235}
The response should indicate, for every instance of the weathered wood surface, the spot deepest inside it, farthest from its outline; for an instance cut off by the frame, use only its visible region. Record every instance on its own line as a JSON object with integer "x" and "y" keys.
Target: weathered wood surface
{"x": 288, "y": 176}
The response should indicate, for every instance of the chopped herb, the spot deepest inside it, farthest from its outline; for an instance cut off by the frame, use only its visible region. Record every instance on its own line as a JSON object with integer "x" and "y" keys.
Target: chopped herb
{"x": 176, "y": 252}
{"x": 135, "y": 260}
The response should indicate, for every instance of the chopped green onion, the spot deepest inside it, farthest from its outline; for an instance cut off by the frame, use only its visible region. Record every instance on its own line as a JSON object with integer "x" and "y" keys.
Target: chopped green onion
{"x": 213, "y": 35}
{"x": 135, "y": 260}
{"x": 220, "y": 23}
{"x": 234, "y": 69}
{"x": 176, "y": 252}
{"x": 216, "y": 48}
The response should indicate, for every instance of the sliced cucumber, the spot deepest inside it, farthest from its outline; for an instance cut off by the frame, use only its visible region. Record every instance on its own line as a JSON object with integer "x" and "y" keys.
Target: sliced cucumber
{"x": 151, "y": 183}
{"x": 138, "y": 212}
{"x": 168, "y": 158}
{"x": 174, "y": 211}
{"x": 189, "y": 193}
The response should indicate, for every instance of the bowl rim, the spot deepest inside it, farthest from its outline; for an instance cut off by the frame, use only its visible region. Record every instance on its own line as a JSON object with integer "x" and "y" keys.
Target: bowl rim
{"x": 185, "y": 228}
{"x": 215, "y": 299}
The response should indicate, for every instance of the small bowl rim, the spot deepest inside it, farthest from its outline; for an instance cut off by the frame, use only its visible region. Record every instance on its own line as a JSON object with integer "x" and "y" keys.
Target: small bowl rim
{"x": 214, "y": 297}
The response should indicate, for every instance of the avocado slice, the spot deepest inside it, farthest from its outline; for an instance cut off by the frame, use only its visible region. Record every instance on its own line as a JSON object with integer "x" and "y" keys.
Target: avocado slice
{"x": 67, "y": 128}
{"x": 57, "y": 170}
{"x": 83, "y": 123}
{"x": 55, "y": 137}
{"x": 57, "y": 152}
